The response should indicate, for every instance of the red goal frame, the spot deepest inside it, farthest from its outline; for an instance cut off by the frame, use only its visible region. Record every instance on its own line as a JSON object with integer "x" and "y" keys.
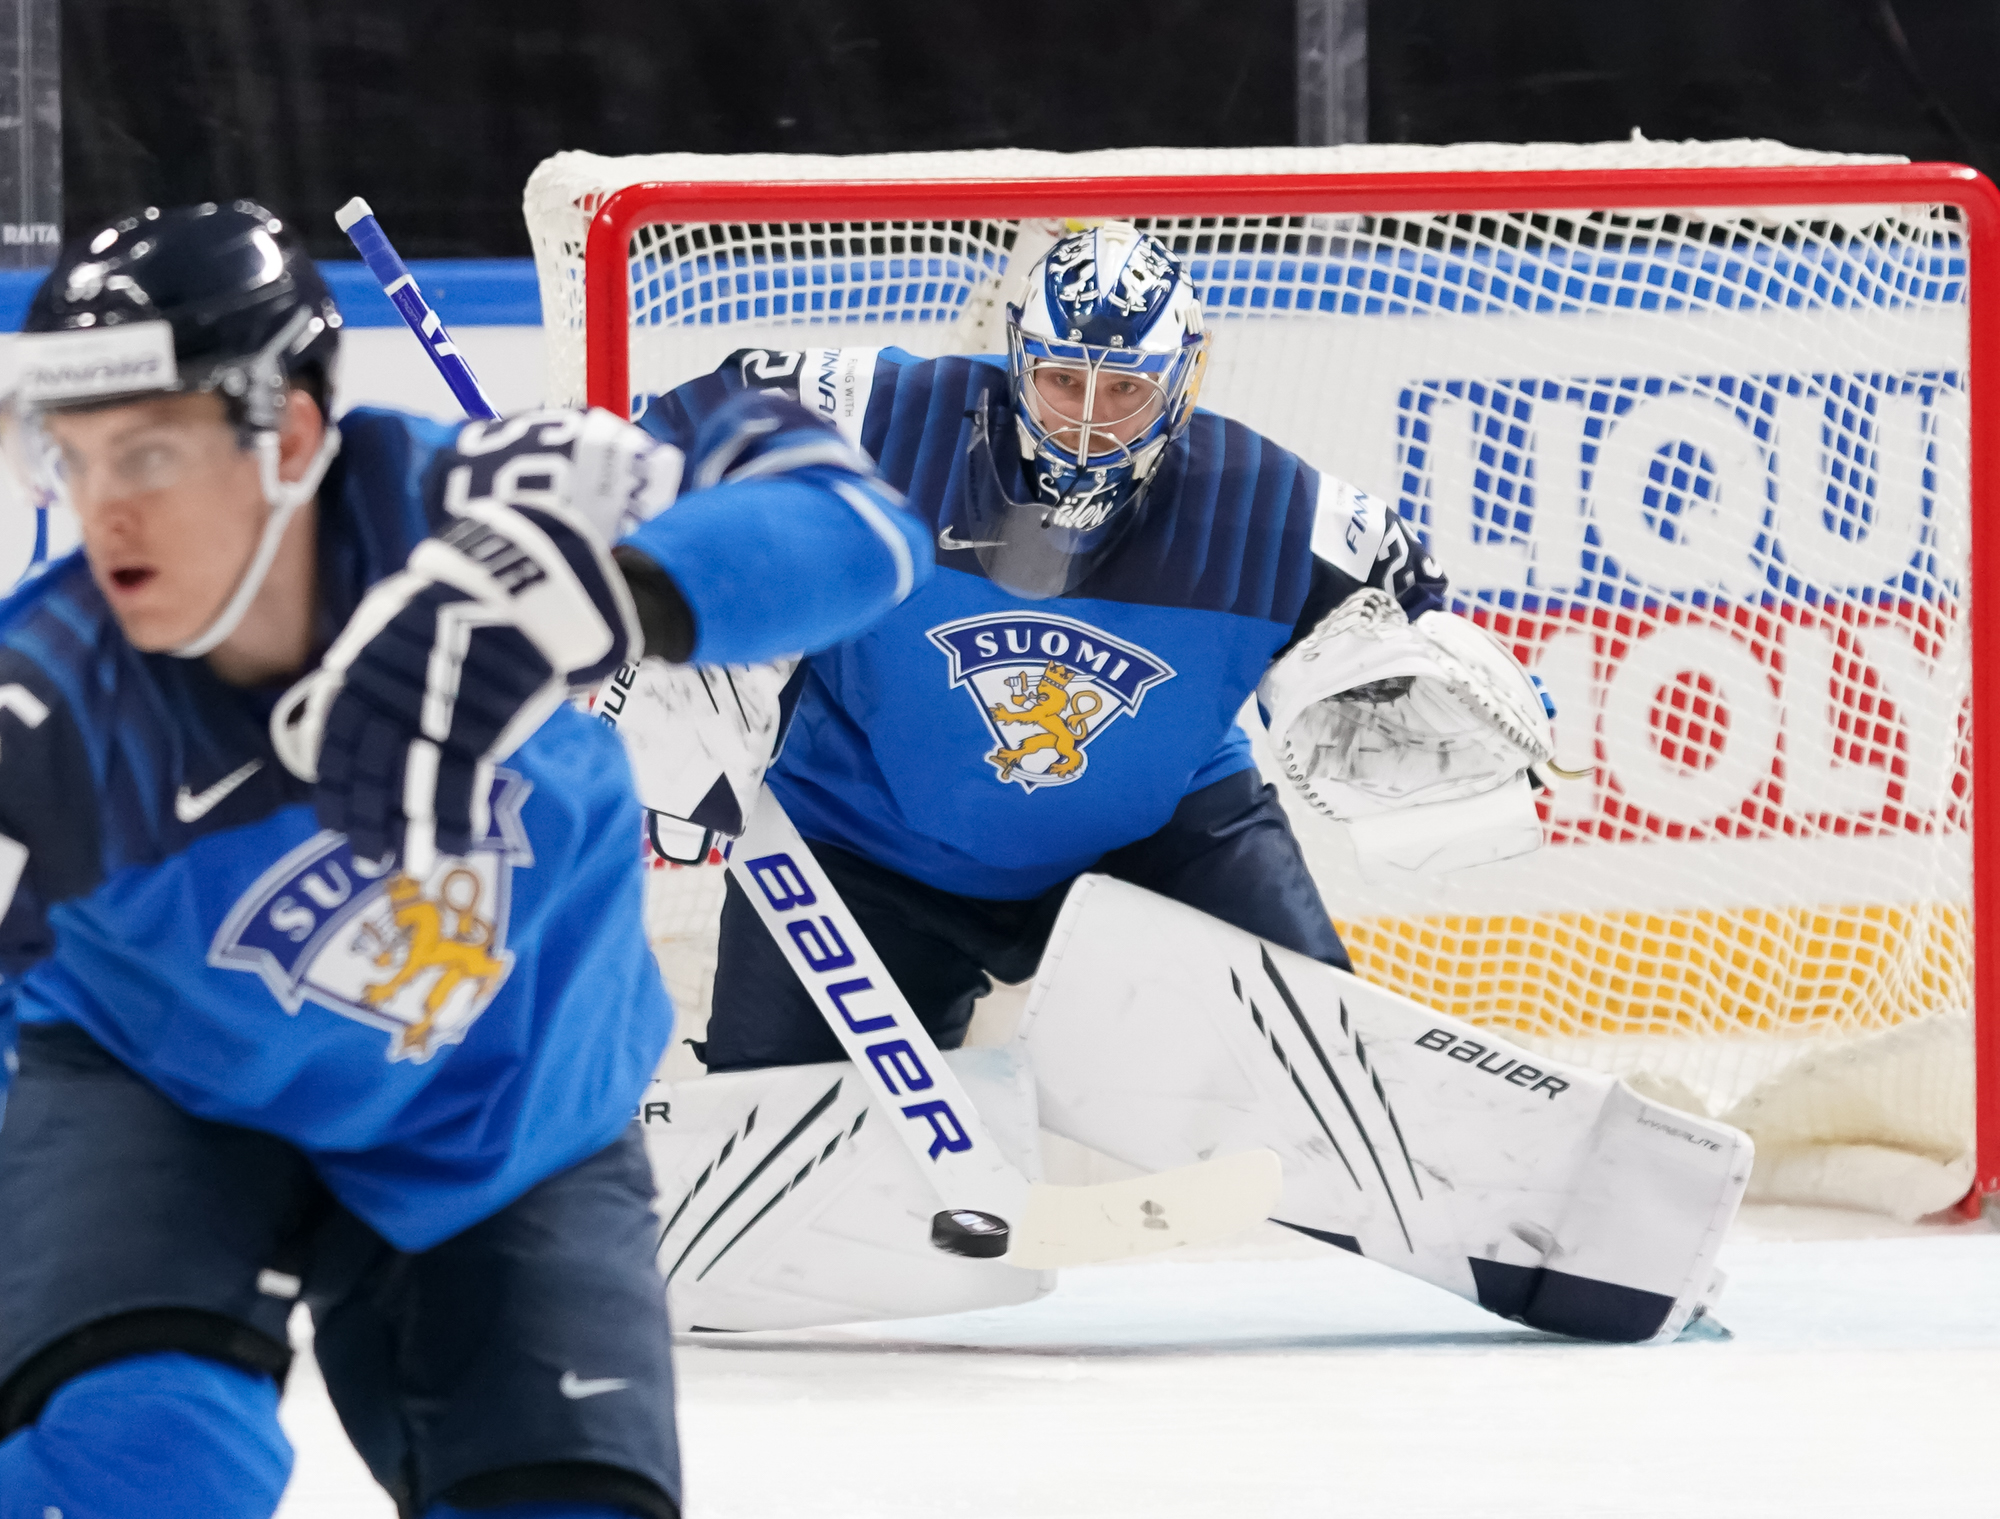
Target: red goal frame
{"x": 608, "y": 332}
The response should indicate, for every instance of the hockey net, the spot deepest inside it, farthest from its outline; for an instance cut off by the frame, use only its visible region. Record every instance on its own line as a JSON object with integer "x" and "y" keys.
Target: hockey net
{"x": 1689, "y": 424}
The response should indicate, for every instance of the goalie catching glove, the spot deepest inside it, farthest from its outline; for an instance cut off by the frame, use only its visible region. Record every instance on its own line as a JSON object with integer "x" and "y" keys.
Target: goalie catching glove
{"x": 1419, "y": 736}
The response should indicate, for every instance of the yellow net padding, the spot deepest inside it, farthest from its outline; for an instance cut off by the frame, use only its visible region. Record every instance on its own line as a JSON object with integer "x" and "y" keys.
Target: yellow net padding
{"x": 1793, "y": 970}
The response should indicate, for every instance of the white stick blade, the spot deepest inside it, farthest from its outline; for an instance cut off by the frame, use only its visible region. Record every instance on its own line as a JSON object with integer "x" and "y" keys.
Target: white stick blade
{"x": 1193, "y": 1205}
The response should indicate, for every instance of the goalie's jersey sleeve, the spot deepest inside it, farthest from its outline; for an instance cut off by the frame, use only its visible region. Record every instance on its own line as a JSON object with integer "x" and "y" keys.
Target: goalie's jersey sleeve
{"x": 437, "y": 1045}
{"x": 992, "y": 745}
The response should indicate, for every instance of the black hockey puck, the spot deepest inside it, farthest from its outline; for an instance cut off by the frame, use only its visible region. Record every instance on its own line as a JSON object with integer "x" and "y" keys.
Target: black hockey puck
{"x": 966, "y": 1231}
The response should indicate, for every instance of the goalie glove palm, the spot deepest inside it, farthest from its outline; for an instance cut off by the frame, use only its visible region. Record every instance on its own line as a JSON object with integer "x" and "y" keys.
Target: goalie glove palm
{"x": 1420, "y": 736}
{"x": 448, "y": 666}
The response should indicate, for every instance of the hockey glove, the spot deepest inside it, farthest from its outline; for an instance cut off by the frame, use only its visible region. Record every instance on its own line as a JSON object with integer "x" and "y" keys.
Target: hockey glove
{"x": 449, "y": 665}
{"x": 1420, "y": 735}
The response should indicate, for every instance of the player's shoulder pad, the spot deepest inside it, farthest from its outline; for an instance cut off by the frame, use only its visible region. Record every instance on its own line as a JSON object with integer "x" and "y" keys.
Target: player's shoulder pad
{"x": 835, "y": 384}
{"x": 794, "y": 370}
{"x": 378, "y": 478}
{"x": 57, "y": 621}
{"x": 925, "y": 392}
{"x": 982, "y": 365}
{"x": 1253, "y": 476}
{"x": 1222, "y": 443}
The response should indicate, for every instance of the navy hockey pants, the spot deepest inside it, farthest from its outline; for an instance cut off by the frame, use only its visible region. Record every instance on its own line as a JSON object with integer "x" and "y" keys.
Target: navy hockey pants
{"x": 1228, "y": 850}
{"x": 523, "y": 1360}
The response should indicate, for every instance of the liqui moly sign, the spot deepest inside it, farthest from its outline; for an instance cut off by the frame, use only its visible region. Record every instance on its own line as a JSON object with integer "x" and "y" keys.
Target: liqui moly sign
{"x": 1747, "y": 592}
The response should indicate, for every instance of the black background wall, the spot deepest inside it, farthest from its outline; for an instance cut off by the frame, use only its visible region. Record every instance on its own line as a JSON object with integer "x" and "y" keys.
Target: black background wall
{"x": 1916, "y": 77}
{"x": 436, "y": 110}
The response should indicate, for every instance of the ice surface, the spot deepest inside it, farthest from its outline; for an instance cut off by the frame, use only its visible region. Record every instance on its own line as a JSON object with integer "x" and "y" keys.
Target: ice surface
{"x": 1863, "y": 1378}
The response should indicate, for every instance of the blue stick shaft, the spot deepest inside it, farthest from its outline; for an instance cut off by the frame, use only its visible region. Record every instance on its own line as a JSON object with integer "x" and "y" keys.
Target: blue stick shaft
{"x": 369, "y": 240}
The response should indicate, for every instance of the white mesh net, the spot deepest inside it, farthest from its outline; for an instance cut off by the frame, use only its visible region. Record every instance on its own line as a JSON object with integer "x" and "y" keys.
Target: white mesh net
{"x": 1704, "y": 466}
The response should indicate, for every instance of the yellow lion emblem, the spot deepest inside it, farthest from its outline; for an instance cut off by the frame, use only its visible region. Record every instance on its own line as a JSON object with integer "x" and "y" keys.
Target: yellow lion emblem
{"x": 1063, "y": 719}
{"x": 459, "y": 955}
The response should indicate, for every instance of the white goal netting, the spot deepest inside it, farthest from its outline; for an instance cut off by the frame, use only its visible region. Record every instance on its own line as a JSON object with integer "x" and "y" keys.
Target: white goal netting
{"x": 1705, "y": 463}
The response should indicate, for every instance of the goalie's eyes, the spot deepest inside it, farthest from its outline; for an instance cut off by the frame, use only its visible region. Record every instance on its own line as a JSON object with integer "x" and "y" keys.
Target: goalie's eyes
{"x": 1118, "y": 400}
{"x": 1069, "y": 379}
{"x": 1070, "y": 383}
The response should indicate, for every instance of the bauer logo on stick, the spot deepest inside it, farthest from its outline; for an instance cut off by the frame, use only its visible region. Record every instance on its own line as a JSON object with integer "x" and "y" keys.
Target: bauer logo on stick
{"x": 420, "y": 959}
{"x": 1046, "y": 687}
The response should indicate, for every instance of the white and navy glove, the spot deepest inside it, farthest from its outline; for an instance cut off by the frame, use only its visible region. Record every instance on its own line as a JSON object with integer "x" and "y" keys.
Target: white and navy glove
{"x": 450, "y": 664}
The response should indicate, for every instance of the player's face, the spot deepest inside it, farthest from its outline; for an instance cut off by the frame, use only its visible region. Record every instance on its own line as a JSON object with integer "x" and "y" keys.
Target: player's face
{"x": 170, "y": 506}
{"x": 1119, "y": 409}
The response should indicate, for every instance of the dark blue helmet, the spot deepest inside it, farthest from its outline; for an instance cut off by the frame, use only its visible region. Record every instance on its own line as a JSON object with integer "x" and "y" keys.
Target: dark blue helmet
{"x": 248, "y": 310}
{"x": 207, "y": 298}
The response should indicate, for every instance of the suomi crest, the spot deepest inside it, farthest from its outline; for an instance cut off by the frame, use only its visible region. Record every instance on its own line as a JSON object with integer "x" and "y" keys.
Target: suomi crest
{"x": 421, "y": 959}
{"x": 1046, "y": 687}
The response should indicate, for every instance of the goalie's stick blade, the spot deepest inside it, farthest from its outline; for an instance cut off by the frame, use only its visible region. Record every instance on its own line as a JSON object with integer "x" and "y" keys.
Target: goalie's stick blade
{"x": 1193, "y": 1205}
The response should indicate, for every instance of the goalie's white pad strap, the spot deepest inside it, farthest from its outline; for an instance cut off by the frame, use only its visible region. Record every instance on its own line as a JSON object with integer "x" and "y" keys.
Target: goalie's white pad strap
{"x": 699, "y": 738}
{"x": 788, "y": 1203}
{"x": 1548, "y": 1193}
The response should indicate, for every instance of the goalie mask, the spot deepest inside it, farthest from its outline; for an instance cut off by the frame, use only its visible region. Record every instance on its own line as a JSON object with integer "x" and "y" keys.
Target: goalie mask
{"x": 1105, "y": 357}
{"x": 192, "y": 299}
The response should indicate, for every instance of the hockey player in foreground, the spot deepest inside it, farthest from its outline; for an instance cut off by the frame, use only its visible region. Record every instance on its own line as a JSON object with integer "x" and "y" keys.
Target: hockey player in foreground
{"x": 1033, "y": 767}
{"x": 374, "y": 1043}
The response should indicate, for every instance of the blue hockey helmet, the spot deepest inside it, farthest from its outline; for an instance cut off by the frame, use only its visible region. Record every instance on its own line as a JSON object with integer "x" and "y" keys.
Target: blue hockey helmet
{"x": 212, "y": 298}
{"x": 1105, "y": 358}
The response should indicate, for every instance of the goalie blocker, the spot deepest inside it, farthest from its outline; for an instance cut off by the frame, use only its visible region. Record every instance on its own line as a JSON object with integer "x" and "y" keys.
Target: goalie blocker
{"x": 700, "y": 739}
{"x": 1546, "y": 1193}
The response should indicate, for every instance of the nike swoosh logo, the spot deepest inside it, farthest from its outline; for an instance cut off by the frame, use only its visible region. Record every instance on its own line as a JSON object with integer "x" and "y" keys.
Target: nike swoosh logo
{"x": 946, "y": 541}
{"x": 193, "y": 806}
{"x": 574, "y": 1386}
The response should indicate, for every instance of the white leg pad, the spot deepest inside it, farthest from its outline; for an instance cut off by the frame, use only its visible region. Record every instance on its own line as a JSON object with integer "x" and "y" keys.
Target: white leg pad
{"x": 786, "y": 1202}
{"x": 1548, "y": 1193}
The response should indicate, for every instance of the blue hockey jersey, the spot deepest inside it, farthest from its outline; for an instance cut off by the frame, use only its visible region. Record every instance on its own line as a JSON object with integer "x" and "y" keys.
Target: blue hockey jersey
{"x": 437, "y": 1046}
{"x": 992, "y": 745}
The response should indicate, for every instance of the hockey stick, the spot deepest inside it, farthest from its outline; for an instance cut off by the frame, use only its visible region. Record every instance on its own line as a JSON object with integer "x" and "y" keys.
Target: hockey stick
{"x": 372, "y": 243}
{"x": 991, "y": 1209}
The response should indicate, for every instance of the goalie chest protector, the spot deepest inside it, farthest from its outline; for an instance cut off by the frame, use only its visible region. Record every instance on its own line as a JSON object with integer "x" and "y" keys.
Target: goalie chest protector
{"x": 992, "y": 745}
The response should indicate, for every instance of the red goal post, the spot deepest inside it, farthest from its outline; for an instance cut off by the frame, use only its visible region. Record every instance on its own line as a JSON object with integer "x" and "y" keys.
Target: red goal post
{"x": 1782, "y": 621}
